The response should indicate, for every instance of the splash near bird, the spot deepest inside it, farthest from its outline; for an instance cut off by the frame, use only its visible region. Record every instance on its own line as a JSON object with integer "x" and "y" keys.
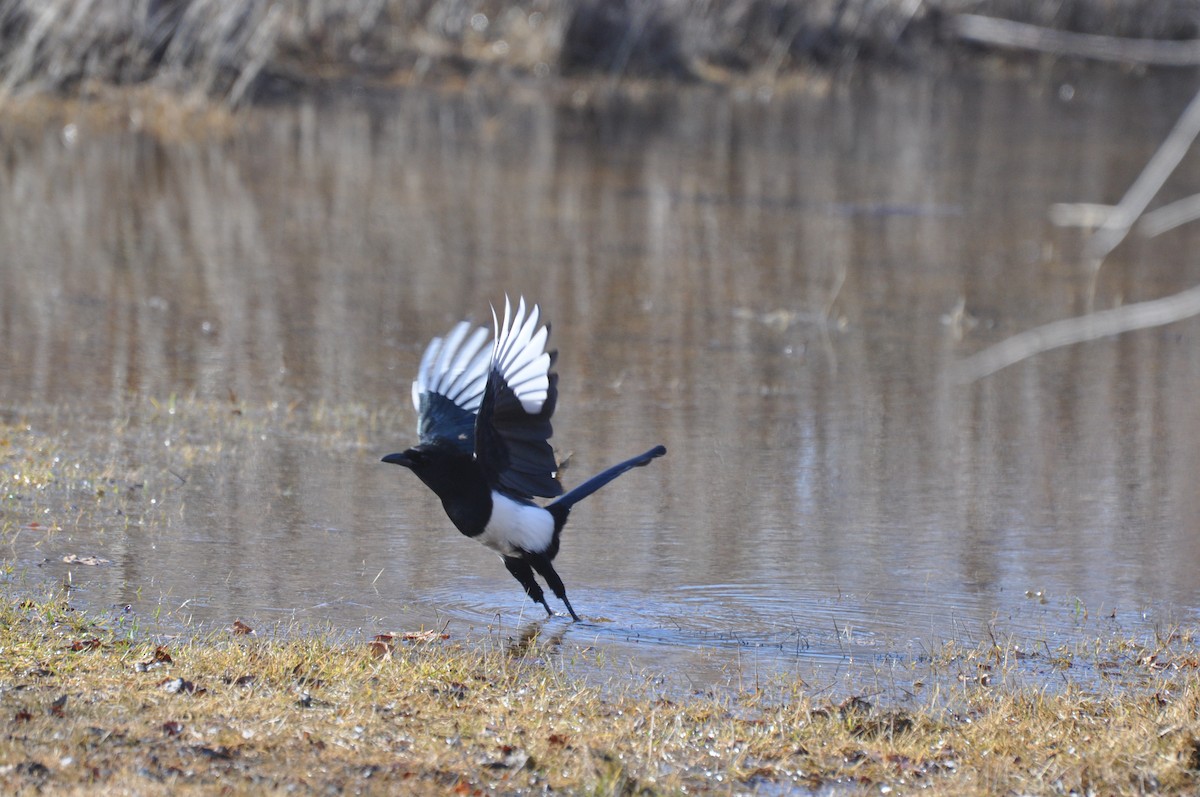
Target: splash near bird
{"x": 483, "y": 425}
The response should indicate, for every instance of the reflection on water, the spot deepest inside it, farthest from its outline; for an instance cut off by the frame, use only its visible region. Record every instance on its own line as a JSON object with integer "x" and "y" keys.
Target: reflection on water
{"x": 221, "y": 336}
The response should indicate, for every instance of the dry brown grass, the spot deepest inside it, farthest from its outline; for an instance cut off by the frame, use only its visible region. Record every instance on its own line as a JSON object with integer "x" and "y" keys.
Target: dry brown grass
{"x": 85, "y": 708}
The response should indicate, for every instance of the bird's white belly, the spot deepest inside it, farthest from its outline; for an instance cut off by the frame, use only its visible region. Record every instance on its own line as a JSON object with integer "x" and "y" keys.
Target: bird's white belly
{"x": 515, "y": 527}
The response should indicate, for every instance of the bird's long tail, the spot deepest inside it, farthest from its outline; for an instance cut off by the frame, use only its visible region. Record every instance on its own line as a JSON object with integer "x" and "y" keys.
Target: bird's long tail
{"x": 560, "y": 508}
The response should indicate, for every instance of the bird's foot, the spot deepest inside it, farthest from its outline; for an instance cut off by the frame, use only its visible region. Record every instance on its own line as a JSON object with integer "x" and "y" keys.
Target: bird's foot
{"x": 571, "y": 609}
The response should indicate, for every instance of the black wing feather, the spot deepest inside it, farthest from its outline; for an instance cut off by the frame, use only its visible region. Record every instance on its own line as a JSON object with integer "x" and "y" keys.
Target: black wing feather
{"x": 439, "y": 418}
{"x": 513, "y": 446}
{"x": 494, "y": 401}
{"x": 449, "y": 387}
{"x": 513, "y": 429}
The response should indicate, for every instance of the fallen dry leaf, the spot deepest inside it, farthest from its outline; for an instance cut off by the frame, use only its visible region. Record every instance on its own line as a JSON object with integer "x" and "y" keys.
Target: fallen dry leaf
{"x": 160, "y": 658}
{"x": 382, "y": 645}
{"x": 241, "y": 628}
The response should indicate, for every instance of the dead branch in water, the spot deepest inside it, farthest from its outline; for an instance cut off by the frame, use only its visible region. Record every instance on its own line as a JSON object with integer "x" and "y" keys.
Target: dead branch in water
{"x": 1023, "y": 36}
{"x": 1107, "y": 236}
{"x": 1080, "y": 329}
{"x": 1170, "y": 216}
{"x": 1157, "y": 170}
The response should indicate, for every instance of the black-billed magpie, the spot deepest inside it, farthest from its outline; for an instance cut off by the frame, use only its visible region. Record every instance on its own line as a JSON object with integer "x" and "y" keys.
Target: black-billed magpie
{"x": 483, "y": 424}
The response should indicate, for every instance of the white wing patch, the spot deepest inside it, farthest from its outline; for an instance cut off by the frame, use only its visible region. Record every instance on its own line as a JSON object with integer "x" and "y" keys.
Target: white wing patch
{"x": 455, "y": 366}
{"x": 520, "y": 356}
{"x": 515, "y": 527}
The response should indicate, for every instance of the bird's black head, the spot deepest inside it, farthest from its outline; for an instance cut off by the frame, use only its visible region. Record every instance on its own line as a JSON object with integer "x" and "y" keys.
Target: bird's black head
{"x": 422, "y": 460}
{"x": 443, "y": 468}
{"x": 407, "y": 458}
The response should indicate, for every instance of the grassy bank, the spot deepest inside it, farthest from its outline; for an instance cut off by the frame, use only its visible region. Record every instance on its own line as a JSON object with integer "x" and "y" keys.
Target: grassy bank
{"x": 237, "y": 50}
{"x": 89, "y": 703}
{"x": 85, "y": 707}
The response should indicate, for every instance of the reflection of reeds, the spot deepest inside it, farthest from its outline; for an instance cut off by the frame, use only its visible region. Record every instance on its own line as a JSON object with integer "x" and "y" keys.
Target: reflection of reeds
{"x": 688, "y": 251}
{"x": 223, "y": 48}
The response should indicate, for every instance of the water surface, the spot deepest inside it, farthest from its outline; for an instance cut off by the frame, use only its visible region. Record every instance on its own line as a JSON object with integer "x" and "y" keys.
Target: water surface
{"x": 216, "y": 339}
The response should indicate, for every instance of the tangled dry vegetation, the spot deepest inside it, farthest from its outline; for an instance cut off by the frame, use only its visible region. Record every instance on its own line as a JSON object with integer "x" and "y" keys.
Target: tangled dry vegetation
{"x": 232, "y": 50}
{"x": 84, "y": 707}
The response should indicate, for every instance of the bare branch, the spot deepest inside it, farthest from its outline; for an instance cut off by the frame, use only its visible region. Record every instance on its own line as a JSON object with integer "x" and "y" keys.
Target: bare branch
{"x": 1022, "y": 36}
{"x": 1158, "y": 169}
{"x": 1092, "y": 326}
{"x": 1108, "y": 235}
{"x": 1170, "y": 216}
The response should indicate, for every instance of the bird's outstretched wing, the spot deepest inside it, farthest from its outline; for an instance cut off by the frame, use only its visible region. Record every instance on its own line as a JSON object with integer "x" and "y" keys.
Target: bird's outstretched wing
{"x": 513, "y": 427}
{"x": 449, "y": 386}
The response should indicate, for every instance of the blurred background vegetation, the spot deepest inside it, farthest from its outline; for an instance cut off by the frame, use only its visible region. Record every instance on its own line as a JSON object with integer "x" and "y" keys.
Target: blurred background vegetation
{"x": 240, "y": 50}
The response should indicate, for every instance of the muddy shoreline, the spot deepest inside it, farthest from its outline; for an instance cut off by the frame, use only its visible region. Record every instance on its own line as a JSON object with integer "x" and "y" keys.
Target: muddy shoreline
{"x": 92, "y": 707}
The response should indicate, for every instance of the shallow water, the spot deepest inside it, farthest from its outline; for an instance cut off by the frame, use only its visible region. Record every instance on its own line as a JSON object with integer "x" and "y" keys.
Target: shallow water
{"x": 217, "y": 341}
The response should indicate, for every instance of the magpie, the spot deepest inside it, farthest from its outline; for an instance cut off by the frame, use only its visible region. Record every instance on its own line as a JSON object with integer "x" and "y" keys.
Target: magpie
{"x": 483, "y": 426}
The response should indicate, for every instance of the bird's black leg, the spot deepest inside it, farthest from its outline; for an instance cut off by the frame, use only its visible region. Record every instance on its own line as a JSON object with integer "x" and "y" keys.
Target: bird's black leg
{"x": 524, "y": 573}
{"x": 543, "y": 566}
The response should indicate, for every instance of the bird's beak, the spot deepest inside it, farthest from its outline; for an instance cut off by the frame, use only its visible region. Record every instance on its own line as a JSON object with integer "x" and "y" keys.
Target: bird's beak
{"x": 398, "y": 459}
